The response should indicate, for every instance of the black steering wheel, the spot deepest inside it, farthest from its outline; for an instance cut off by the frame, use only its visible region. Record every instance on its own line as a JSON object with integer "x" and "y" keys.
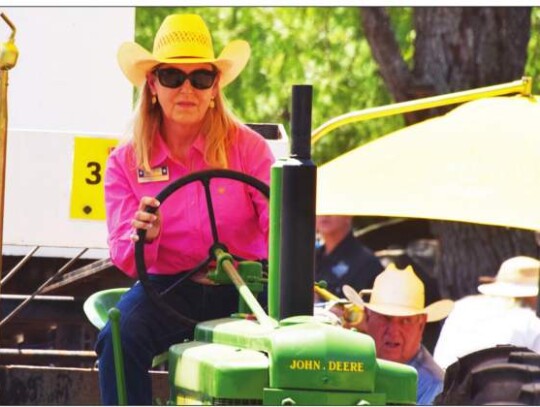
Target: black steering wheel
{"x": 204, "y": 177}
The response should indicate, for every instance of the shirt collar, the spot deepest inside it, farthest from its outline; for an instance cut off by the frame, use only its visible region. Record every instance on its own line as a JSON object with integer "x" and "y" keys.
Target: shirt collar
{"x": 419, "y": 357}
{"x": 199, "y": 143}
{"x": 161, "y": 150}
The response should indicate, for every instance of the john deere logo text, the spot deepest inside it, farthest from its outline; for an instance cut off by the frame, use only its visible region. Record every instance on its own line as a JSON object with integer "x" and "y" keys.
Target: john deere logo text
{"x": 331, "y": 365}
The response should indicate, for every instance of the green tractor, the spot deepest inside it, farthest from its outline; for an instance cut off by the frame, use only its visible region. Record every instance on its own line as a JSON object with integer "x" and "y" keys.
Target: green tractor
{"x": 286, "y": 356}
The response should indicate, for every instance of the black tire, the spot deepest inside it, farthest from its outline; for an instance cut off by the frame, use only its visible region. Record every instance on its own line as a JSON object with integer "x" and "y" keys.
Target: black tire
{"x": 502, "y": 375}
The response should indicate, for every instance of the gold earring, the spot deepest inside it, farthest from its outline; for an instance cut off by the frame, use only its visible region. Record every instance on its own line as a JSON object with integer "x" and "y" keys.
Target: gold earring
{"x": 154, "y": 100}
{"x": 212, "y": 103}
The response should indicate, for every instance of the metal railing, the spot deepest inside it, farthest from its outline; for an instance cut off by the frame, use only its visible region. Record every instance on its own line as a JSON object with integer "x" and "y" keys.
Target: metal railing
{"x": 61, "y": 277}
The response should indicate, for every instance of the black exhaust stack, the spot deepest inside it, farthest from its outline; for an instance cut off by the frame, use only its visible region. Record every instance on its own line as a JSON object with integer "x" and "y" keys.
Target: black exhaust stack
{"x": 297, "y": 259}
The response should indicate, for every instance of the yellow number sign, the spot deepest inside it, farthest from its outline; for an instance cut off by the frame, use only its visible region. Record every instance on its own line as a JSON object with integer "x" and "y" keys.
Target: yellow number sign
{"x": 87, "y": 192}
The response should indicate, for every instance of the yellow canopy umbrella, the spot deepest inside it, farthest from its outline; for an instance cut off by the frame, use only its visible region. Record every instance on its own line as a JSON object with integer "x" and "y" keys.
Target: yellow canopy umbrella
{"x": 479, "y": 163}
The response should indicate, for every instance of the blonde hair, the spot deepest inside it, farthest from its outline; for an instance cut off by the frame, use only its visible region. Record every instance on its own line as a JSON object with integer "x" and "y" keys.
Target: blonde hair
{"x": 219, "y": 127}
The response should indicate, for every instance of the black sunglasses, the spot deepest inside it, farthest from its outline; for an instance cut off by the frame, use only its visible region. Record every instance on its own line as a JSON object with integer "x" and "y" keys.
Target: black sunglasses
{"x": 174, "y": 77}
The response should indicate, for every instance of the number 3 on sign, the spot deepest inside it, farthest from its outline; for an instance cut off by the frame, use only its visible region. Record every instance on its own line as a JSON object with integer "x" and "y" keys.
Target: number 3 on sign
{"x": 87, "y": 192}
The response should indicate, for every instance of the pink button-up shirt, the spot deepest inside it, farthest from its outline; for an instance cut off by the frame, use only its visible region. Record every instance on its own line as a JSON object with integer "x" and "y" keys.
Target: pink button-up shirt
{"x": 241, "y": 212}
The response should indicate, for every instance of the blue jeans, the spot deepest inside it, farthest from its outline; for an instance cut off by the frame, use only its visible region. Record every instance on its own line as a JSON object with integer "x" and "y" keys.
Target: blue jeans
{"x": 147, "y": 331}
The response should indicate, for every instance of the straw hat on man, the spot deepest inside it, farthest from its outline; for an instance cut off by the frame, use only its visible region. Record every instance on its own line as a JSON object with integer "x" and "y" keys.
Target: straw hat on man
{"x": 395, "y": 316}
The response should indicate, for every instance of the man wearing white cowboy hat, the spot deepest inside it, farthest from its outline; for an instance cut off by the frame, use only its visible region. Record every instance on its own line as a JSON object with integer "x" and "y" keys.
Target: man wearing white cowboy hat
{"x": 181, "y": 126}
{"x": 395, "y": 317}
{"x": 503, "y": 314}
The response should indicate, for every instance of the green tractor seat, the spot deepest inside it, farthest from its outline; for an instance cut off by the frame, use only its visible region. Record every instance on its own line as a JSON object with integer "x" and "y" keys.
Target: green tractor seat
{"x": 97, "y": 306}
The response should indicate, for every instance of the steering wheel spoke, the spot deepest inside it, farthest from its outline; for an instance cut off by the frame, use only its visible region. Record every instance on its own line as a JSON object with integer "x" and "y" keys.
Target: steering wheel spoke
{"x": 210, "y": 208}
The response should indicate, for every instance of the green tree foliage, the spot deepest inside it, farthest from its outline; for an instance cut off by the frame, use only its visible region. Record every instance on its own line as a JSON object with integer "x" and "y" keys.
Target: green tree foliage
{"x": 322, "y": 46}
{"x": 533, "y": 56}
{"x": 295, "y": 45}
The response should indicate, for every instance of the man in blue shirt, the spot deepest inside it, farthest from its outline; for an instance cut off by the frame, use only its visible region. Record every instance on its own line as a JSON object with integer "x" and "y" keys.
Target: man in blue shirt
{"x": 395, "y": 317}
{"x": 342, "y": 259}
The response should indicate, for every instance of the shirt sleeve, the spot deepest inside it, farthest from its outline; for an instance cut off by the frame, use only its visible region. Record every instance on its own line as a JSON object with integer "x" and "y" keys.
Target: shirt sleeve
{"x": 447, "y": 348}
{"x": 257, "y": 162}
{"x": 372, "y": 267}
{"x": 121, "y": 203}
{"x": 533, "y": 333}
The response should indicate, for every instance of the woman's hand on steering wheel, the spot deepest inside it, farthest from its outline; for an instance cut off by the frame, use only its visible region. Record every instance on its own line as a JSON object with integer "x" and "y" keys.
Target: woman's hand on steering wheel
{"x": 151, "y": 222}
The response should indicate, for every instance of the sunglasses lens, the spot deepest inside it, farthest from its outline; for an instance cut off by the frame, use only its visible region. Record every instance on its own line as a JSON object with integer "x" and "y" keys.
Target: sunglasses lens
{"x": 202, "y": 79}
{"x": 171, "y": 77}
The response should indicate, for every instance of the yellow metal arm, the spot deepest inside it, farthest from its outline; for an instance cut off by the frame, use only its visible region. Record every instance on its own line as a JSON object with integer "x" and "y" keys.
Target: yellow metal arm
{"x": 523, "y": 87}
{"x": 8, "y": 50}
{"x": 8, "y": 59}
{"x": 350, "y": 314}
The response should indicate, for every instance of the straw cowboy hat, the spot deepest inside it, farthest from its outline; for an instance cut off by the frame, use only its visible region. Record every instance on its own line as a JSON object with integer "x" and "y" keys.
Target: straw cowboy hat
{"x": 399, "y": 293}
{"x": 517, "y": 277}
{"x": 182, "y": 39}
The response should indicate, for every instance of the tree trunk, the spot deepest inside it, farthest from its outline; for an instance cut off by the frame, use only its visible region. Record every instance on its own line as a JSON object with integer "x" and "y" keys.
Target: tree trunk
{"x": 469, "y": 251}
{"x": 457, "y": 48}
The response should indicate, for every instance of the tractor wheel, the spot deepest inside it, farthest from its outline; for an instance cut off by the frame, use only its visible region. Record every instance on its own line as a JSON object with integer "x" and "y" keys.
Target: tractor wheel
{"x": 501, "y": 375}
